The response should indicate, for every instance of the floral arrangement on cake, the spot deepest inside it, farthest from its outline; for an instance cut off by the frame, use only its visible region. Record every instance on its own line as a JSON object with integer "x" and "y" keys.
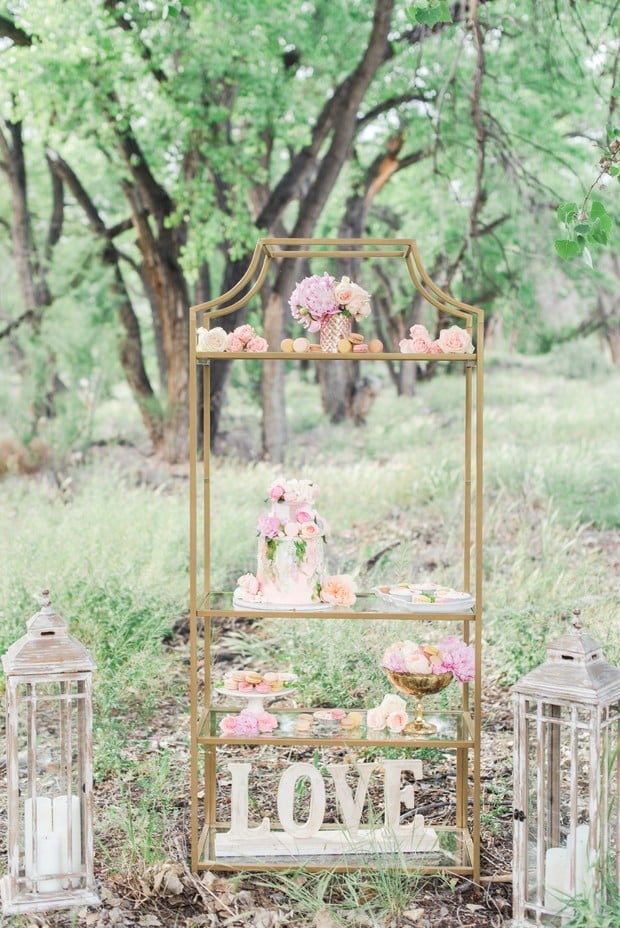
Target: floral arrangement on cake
{"x": 248, "y": 723}
{"x": 243, "y": 338}
{"x": 453, "y": 340}
{"x": 391, "y": 713}
{"x": 337, "y": 590}
{"x": 451, "y": 655}
{"x": 293, "y": 491}
{"x": 318, "y": 297}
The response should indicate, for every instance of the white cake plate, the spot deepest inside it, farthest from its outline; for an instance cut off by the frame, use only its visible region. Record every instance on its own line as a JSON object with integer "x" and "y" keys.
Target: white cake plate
{"x": 256, "y": 701}
{"x": 279, "y": 607}
{"x": 456, "y": 604}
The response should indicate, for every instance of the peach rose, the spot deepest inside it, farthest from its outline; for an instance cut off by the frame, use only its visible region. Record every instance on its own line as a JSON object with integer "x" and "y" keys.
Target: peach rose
{"x": 212, "y": 339}
{"x": 343, "y": 291}
{"x": 375, "y": 718}
{"x": 397, "y": 720}
{"x": 393, "y": 703}
{"x": 249, "y": 584}
{"x": 338, "y": 590}
{"x": 455, "y": 340}
{"x": 417, "y": 663}
{"x": 308, "y": 530}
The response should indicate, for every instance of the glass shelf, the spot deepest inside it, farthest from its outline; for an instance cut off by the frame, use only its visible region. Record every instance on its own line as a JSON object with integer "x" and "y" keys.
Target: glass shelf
{"x": 204, "y": 357}
{"x": 366, "y": 606}
{"x": 454, "y": 730}
{"x": 453, "y": 854}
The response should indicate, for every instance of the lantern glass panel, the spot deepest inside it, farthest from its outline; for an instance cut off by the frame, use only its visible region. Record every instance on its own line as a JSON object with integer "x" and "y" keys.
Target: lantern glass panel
{"x": 50, "y": 726}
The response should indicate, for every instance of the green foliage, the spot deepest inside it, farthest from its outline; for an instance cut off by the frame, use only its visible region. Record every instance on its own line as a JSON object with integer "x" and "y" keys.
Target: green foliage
{"x": 430, "y": 12}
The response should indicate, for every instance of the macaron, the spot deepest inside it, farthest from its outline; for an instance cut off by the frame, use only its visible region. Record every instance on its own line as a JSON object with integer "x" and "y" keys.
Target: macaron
{"x": 300, "y": 345}
{"x": 360, "y": 349}
{"x": 375, "y": 345}
{"x": 286, "y": 344}
{"x": 356, "y": 338}
{"x": 345, "y": 346}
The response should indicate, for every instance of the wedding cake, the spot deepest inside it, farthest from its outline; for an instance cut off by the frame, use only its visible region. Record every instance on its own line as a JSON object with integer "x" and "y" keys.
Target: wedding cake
{"x": 291, "y": 562}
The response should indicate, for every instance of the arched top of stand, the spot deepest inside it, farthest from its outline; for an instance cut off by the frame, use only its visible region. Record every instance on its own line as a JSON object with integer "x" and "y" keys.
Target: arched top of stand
{"x": 279, "y": 249}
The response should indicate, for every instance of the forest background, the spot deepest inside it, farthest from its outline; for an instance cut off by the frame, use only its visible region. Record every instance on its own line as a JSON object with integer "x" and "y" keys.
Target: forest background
{"x": 144, "y": 147}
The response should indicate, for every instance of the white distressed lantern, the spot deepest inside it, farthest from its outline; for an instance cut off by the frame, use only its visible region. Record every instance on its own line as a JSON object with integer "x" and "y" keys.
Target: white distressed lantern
{"x": 566, "y": 780}
{"x": 49, "y": 769}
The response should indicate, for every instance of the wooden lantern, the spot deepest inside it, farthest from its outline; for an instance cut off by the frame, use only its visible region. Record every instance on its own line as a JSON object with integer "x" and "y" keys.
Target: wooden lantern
{"x": 566, "y": 780}
{"x": 49, "y": 769}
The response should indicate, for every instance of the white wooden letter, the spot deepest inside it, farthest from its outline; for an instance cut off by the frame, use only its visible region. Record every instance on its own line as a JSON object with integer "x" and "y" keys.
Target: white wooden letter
{"x": 239, "y": 827}
{"x": 350, "y": 808}
{"x": 286, "y": 793}
{"x": 394, "y": 796}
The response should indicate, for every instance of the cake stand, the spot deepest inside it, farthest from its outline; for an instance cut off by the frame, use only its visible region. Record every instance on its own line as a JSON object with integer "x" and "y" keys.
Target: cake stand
{"x": 256, "y": 701}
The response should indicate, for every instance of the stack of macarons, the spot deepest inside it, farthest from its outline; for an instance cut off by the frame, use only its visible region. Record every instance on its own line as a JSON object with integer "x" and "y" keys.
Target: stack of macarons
{"x": 250, "y": 681}
{"x": 328, "y": 718}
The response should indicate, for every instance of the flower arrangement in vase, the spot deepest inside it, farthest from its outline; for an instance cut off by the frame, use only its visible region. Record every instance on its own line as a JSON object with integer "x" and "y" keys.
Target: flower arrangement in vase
{"x": 422, "y": 669}
{"x": 327, "y": 306}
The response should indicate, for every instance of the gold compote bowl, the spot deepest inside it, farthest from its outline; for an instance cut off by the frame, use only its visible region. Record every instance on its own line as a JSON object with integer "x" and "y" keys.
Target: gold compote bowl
{"x": 419, "y": 685}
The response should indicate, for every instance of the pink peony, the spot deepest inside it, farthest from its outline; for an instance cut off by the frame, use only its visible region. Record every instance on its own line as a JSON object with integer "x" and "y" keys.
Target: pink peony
{"x": 375, "y": 718}
{"x": 338, "y": 590}
{"x": 268, "y": 526}
{"x": 303, "y": 516}
{"x": 234, "y": 343}
{"x": 313, "y": 300}
{"x": 276, "y": 492}
{"x": 228, "y": 725}
{"x": 244, "y": 333}
{"x": 456, "y": 657}
{"x": 247, "y": 724}
{"x": 258, "y": 343}
{"x": 455, "y": 340}
{"x": 397, "y": 720}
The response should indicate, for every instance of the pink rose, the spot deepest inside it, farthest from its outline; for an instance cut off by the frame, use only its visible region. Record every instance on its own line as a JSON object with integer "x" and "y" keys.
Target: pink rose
{"x": 249, "y": 584}
{"x": 292, "y": 529}
{"x": 258, "y": 343}
{"x": 455, "y": 340}
{"x": 397, "y": 720}
{"x": 406, "y": 346}
{"x": 435, "y": 348}
{"x": 234, "y": 343}
{"x": 266, "y": 722}
{"x": 419, "y": 339}
{"x": 304, "y": 516}
{"x": 309, "y": 530}
{"x": 276, "y": 492}
{"x": 338, "y": 590}
{"x": 228, "y": 725}
{"x": 244, "y": 333}
{"x": 375, "y": 719}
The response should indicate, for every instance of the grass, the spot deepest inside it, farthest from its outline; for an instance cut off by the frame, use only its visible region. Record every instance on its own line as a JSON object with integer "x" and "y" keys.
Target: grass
{"x": 114, "y": 553}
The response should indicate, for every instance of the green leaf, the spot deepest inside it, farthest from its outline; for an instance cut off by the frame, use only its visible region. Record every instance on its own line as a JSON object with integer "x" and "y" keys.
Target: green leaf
{"x": 582, "y": 228}
{"x": 567, "y": 248}
{"x": 599, "y": 212}
{"x": 616, "y": 91}
{"x": 567, "y": 212}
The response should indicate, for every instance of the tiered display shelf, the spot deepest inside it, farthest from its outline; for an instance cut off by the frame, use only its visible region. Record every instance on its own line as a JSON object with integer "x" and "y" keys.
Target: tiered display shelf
{"x": 457, "y": 848}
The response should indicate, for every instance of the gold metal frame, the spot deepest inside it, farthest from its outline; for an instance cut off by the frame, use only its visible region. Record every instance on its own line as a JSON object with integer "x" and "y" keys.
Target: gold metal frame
{"x": 205, "y": 605}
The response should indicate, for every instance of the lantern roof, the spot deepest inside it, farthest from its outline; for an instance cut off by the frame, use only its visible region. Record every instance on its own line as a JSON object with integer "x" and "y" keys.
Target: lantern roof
{"x": 575, "y": 671}
{"x": 47, "y": 646}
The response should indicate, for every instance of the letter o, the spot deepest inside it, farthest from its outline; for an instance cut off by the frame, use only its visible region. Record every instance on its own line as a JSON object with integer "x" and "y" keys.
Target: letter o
{"x": 286, "y": 792}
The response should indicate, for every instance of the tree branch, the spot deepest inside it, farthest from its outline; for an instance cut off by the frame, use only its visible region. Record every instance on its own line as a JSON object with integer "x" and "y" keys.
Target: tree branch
{"x": 18, "y": 36}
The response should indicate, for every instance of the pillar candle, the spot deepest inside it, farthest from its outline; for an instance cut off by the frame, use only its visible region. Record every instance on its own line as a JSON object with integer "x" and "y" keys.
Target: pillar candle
{"x": 43, "y": 827}
{"x": 556, "y": 879}
{"x": 61, "y": 820}
{"x": 580, "y": 841}
{"x": 48, "y": 862}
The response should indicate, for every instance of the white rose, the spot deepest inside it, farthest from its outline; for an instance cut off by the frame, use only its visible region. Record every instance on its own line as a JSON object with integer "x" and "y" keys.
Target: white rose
{"x": 212, "y": 339}
{"x": 392, "y": 703}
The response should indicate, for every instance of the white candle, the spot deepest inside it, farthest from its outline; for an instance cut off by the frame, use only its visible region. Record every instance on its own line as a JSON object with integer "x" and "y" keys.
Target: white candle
{"x": 61, "y": 821}
{"x": 48, "y": 862}
{"x": 580, "y": 841}
{"x": 43, "y": 827}
{"x": 556, "y": 879}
